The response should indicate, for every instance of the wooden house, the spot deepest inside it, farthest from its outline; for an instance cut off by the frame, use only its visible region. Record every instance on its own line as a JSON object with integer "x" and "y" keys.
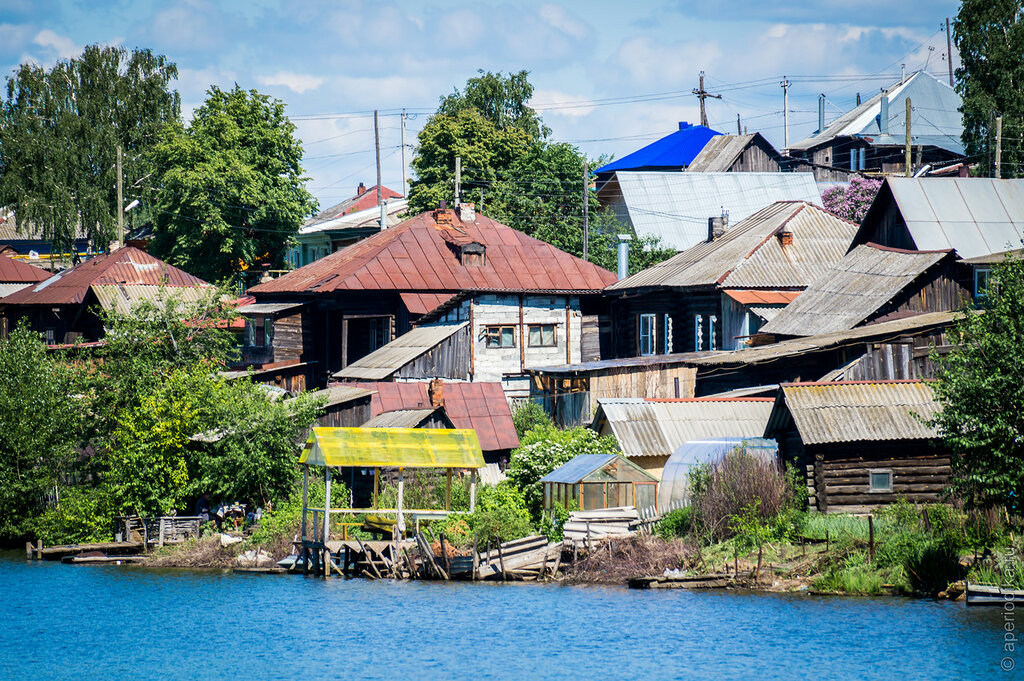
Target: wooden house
{"x": 861, "y": 444}
{"x": 975, "y": 216}
{"x": 27, "y": 238}
{"x": 64, "y": 306}
{"x": 872, "y": 136}
{"x": 593, "y": 481}
{"x": 649, "y": 431}
{"x": 737, "y": 154}
{"x": 873, "y": 283}
{"x": 896, "y": 349}
{"x": 16, "y": 275}
{"x": 363, "y": 297}
{"x": 717, "y": 294}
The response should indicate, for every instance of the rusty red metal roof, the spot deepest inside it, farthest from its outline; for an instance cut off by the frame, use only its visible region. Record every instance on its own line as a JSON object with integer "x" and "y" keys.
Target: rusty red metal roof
{"x": 354, "y": 204}
{"x": 761, "y": 297}
{"x": 17, "y": 272}
{"x": 422, "y": 303}
{"x": 481, "y": 406}
{"x": 420, "y": 255}
{"x": 126, "y": 265}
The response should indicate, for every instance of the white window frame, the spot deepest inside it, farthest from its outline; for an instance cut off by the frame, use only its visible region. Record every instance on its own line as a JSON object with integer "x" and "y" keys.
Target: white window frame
{"x": 698, "y": 333}
{"x": 712, "y": 320}
{"x": 666, "y": 331}
{"x": 871, "y": 481}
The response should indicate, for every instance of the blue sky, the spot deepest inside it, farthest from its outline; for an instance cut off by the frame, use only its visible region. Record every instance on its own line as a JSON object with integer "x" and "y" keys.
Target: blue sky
{"x": 609, "y": 76}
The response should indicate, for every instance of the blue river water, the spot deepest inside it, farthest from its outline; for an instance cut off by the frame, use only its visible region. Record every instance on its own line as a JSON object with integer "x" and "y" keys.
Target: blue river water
{"x": 84, "y": 622}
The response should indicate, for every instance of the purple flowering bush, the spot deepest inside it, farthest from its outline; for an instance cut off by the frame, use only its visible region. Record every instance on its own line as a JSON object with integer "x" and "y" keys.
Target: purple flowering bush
{"x": 852, "y": 201}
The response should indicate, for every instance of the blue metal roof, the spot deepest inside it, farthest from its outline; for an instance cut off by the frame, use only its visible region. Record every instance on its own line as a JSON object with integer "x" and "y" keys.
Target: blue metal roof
{"x": 673, "y": 151}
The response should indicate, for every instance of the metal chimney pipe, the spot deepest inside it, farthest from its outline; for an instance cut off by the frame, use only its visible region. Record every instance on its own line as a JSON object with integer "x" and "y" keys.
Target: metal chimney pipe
{"x": 624, "y": 256}
{"x": 383, "y": 215}
{"x": 821, "y": 112}
{"x": 883, "y": 115}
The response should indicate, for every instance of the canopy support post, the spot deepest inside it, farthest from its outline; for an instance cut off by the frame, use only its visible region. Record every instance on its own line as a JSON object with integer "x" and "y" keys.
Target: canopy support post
{"x": 376, "y": 485}
{"x": 448, "y": 490}
{"x": 327, "y": 520}
{"x": 399, "y": 521}
{"x": 305, "y": 506}
{"x": 472, "y": 490}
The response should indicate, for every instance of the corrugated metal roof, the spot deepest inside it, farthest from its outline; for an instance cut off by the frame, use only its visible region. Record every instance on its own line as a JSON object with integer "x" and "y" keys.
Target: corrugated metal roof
{"x": 339, "y": 394}
{"x": 935, "y": 119}
{"x": 480, "y": 406}
{"x": 17, "y": 272}
{"x": 675, "y": 207}
{"x": 401, "y": 418}
{"x": 384, "y": 361}
{"x": 760, "y": 297}
{"x": 852, "y": 290}
{"x": 721, "y": 152}
{"x": 976, "y": 216}
{"x": 676, "y": 150}
{"x": 421, "y": 256}
{"x": 267, "y": 308}
{"x": 766, "y": 353}
{"x": 366, "y": 217}
{"x": 991, "y": 258}
{"x": 860, "y": 411}
{"x": 126, "y": 265}
{"x": 766, "y": 313}
{"x": 360, "y": 202}
{"x": 659, "y": 427}
{"x": 579, "y": 467}
{"x": 125, "y": 297}
{"x": 748, "y": 256}
{"x": 8, "y": 289}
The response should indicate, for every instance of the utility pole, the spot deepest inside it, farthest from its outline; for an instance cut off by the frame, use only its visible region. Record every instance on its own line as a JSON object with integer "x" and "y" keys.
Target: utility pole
{"x": 999, "y": 146}
{"x": 739, "y": 129}
{"x": 376, "y": 145}
{"x": 458, "y": 181}
{"x": 586, "y": 210}
{"x": 908, "y": 172}
{"x": 785, "y": 113}
{"x": 405, "y": 180}
{"x": 120, "y": 199}
{"x": 949, "y": 52}
{"x": 703, "y": 94}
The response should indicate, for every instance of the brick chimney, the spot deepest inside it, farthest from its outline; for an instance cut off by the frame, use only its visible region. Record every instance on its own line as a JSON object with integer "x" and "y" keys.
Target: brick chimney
{"x": 467, "y": 212}
{"x": 443, "y": 216}
{"x": 785, "y": 237}
{"x": 266, "y": 273}
{"x": 435, "y": 391}
{"x": 361, "y": 189}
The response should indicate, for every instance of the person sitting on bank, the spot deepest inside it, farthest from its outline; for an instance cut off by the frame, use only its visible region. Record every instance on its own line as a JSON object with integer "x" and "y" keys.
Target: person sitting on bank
{"x": 202, "y": 508}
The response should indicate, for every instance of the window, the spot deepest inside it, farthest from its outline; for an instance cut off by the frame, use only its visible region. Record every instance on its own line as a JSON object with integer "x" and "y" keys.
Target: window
{"x": 982, "y": 282}
{"x": 647, "y": 334}
{"x": 257, "y": 332}
{"x": 698, "y": 333}
{"x": 267, "y": 326}
{"x": 500, "y": 336}
{"x": 51, "y": 336}
{"x": 880, "y": 481}
{"x": 666, "y": 330}
{"x": 542, "y": 336}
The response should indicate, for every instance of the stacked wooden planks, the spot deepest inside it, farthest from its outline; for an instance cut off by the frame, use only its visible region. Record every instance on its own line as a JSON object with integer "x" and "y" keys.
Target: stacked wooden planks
{"x": 594, "y": 526}
{"x": 527, "y": 558}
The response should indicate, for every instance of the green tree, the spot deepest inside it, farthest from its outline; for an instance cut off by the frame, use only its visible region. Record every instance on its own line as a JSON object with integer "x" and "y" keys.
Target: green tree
{"x": 39, "y": 427}
{"x": 231, "y": 191}
{"x": 981, "y": 390}
{"x": 989, "y": 36}
{"x": 518, "y": 176}
{"x": 59, "y": 133}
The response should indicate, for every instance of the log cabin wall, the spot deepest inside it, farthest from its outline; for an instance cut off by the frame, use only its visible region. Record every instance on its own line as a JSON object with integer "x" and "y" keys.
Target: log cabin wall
{"x": 842, "y": 481}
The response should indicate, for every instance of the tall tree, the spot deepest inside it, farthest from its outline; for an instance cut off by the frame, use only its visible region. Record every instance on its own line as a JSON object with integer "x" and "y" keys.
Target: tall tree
{"x": 990, "y": 38}
{"x": 59, "y": 133}
{"x": 509, "y": 166}
{"x": 981, "y": 389}
{"x": 230, "y": 189}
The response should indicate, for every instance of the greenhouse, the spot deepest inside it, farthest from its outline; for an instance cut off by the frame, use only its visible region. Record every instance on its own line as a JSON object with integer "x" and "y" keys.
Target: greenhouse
{"x": 675, "y": 478}
{"x": 593, "y": 481}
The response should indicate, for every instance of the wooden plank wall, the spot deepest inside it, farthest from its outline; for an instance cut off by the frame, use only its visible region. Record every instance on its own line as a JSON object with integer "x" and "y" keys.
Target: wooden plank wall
{"x": 448, "y": 359}
{"x": 756, "y": 159}
{"x": 644, "y": 381}
{"x": 842, "y": 473}
{"x": 289, "y": 338}
{"x": 590, "y": 342}
{"x": 937, "y": 290}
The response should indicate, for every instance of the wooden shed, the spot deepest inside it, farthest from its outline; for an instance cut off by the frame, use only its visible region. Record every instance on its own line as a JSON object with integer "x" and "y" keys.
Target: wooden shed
{"x": 593, "y": 481}
{"x": 861, "y": 444}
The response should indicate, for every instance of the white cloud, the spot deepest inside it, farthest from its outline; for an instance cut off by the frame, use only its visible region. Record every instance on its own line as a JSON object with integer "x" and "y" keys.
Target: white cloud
{"x": 560, "y": 19}
{"x": 64, "y": 47}
{"x": 296, "y": 82}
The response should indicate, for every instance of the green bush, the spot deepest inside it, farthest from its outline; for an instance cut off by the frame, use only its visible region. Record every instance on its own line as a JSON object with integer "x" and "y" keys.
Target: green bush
{"x": 529, "y": 415}
{"x": 552, "y": 525}
{"x": 81, "y": 516}
{"x": 933, "y": 567}
{"x": 676, "y": 523}
{"x": 501, "y": 515}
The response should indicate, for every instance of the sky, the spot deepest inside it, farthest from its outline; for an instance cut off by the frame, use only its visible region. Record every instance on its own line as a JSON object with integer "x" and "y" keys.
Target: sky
{"x": 609, "y": 77}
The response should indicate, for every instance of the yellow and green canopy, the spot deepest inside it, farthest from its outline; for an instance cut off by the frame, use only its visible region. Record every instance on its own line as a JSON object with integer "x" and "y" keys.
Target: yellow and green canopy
{"x": 393, "y": 448}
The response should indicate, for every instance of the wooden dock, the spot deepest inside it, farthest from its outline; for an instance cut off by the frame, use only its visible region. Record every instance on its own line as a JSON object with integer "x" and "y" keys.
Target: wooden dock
{"x": 712, "y": 581}
{"x": 114, "y": 548}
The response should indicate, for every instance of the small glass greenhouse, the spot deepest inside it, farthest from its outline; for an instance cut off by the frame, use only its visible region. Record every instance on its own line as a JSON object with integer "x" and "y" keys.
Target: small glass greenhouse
{"x": 675, "y": 478}
{"x": 596, "y": 481}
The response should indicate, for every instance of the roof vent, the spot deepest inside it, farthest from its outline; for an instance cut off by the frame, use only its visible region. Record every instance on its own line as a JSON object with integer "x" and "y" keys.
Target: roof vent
{"x": 473, "y": 254}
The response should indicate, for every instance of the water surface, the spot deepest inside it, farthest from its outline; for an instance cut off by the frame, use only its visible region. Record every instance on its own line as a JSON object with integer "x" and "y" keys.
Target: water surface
{"x": 63, "y": 622}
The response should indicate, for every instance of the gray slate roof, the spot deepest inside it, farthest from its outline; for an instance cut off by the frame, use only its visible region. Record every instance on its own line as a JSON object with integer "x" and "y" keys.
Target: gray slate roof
{"x": 852, "y": 290}
{"x": 721, "y": 151}
{"x": 858, "y": 411}
{"x": 975, "y": 215}
{"x": 935, "y": 119}
{"x": 747, "y": 255}
{"x": 383, "y": 362}
{"x": 400, "y": 418}
{"x": 675, "y": 206}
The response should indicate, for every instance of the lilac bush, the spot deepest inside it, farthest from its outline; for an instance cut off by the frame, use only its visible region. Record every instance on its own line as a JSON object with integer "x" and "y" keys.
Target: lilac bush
{"x": 852, "y": 201}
